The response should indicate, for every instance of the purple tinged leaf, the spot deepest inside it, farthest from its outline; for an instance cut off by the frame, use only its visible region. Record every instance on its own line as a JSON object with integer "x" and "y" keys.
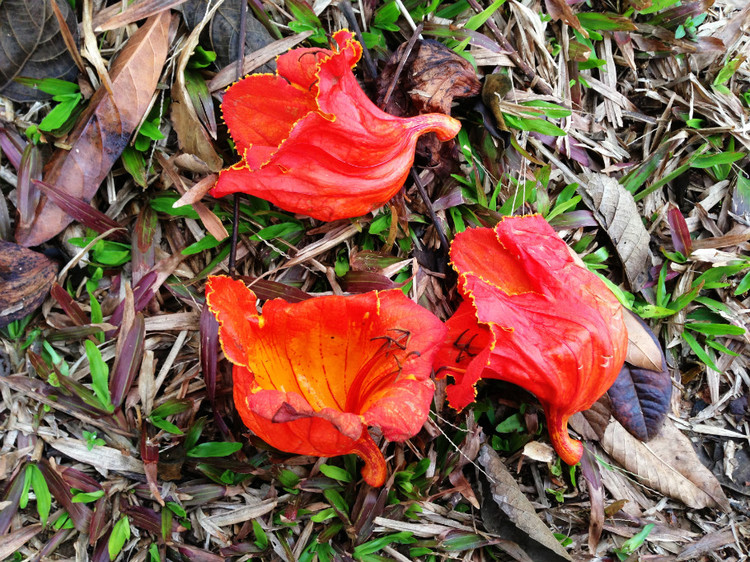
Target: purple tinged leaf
{"x": 209, "y": 329}
{"x": 71, "y": 308}
{"x": 28, "y": 197}
{"x": 679, "y": 231}
{"x": 574, "y": 219}
{"x": 82, "y": 212}
{"x": 146, "y": 519}
{"x": 79, "y": 513}
{"x": 101, "y": 550}
{"x": 200, "y": 494}
{"x": 12, "y": 495}
{"x": 267, "y": 290}
{"x": 150, "y": 458}
{"x": 100, "y": 520}
{"x": 57, "y": 539}
{"x": 453, "y": 198}
{"x": 144, "y": 248}
{"x": 79, "y": 480}
{"x": 195, "y": 554}
{"x": 128, "y": 361}
{"x": 641, "y": 397}
{"x": 366, "y": 281}
{"x": 12, "y": 145}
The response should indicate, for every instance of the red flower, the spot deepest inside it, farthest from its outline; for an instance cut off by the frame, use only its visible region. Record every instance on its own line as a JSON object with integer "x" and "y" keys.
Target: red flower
{"x": 309, "y": 377}
{"x": 534, "y": 318}
{"x": 312, "y": 142}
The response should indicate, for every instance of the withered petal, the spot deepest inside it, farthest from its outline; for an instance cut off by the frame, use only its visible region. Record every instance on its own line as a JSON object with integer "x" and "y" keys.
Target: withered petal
{"x": 323, "y": 148}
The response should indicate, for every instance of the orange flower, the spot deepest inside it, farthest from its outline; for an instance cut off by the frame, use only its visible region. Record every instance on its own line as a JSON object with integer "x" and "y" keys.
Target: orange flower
{"x": 309, "y": 377}
{"x": 312, "y": 142}
{"x": 534, "y": 318}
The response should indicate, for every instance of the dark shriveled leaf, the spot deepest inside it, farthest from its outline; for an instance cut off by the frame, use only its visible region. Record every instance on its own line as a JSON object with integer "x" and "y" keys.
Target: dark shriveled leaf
{"x": 432, "y": 77}
{"x": 26, "y": 277}
{"x": 104, "y": 128}
{"x": 224, "y": 31}
{"x": 32, "y": 46}
{"x": 640, "y": 397}
{"x": 209, "y": 352}
{"x": 12, "y": 496}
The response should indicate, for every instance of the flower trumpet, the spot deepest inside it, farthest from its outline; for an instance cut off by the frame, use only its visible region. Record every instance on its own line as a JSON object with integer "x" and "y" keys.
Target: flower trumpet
{"x": 533, "y": 317}
{"x": 310, "y": 377}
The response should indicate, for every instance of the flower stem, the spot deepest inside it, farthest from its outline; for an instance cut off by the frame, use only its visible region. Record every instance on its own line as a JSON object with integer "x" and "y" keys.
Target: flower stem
{"x": 374, "y": 471}
{"x": 569, "y": 449}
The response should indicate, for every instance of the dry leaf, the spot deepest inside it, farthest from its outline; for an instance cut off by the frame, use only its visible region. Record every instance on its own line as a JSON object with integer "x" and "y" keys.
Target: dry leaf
{"x": 615, "y": 210}
{"x": 507, "y": 512}
{"x": 103, "y": 458}
{"x": 26, "y": 277}
{"x": 643, "y": 351}
{"x": 13, "y": 541}
{"x": 133, "y": 13}
{"x": 103, "y": 130}
{"x": 560, "y": 10}
{"x": 191, "y": 135}
{"x": 667, "y": 463}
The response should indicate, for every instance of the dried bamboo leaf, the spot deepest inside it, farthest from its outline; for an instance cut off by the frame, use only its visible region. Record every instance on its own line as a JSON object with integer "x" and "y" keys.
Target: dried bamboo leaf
{"x": 101, "y": 457}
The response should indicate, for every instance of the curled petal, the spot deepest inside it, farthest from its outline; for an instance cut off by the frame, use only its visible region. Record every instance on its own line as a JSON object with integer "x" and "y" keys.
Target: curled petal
{"x": 312, "y": 142}
{"x": 311, "y": 376}
{"x": 541, "y": 322}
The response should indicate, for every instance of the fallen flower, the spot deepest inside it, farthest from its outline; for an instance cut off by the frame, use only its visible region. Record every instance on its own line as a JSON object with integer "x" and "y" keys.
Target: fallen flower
{"x": 309, "y": 377}
{"x": 533, "y": 317}
{"x": 311, "y": 140}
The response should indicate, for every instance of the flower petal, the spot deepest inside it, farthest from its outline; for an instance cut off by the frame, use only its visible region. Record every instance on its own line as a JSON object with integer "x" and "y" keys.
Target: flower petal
{"x": 286, "y": 421}
{"x": 234, "y": 307}
{"x": 277, "y": 107}
{"x": 299, "y": 66}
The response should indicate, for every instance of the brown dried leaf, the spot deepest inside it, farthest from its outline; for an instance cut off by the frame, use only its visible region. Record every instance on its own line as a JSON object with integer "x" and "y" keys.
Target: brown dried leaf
{"x": 103, "y": 130}
{"x": 560, "y": 10}
{"x": 615, "y": 210}
{"x": 667, "y": 463}
{"x": 592, "y": 423}
{"x": 507, "y": 512}
{"x": 26, "y": 277}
